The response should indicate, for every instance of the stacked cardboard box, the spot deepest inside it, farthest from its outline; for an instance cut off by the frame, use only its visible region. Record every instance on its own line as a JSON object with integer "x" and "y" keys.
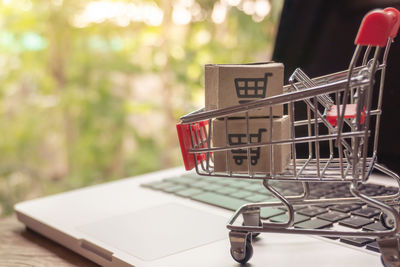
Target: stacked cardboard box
{"x": 229, "y": 85}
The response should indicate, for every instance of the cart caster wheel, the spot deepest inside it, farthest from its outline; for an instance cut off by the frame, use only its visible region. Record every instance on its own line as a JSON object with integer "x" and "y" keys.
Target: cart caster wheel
{"x": 248, "y": 253}
{"x": 386, "y": 221}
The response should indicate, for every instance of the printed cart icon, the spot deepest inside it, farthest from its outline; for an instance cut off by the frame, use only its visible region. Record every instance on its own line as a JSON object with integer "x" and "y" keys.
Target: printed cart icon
{"x": 241, "y": 154}
{"x": 251, "y": 88}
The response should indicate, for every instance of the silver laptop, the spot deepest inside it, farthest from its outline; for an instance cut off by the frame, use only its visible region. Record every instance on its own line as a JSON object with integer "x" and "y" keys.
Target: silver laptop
{"x": 175, "y": 218}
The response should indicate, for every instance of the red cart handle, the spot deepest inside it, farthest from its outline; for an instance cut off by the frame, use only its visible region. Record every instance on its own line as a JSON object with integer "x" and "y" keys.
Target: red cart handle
{"x": 198, "y": 131}
{"x": 375, "y": 28}
{"x": 395, "y": 14}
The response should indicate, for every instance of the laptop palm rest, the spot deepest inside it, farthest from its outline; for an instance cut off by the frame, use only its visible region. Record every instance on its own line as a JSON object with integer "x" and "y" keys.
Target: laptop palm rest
{"x": 173, "y": 228}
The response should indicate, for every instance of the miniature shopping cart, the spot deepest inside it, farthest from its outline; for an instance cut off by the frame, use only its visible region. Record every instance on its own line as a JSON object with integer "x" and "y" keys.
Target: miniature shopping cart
{"x": 341, "y": 116}
{"x": 251, "y": 88}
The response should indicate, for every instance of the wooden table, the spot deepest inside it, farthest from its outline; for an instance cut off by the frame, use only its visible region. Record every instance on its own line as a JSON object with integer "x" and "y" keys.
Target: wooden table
{"x": 20, "y": 246}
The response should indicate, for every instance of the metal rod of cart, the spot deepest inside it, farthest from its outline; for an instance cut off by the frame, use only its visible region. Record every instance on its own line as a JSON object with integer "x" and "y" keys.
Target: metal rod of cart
{"x": 341, "y": 117}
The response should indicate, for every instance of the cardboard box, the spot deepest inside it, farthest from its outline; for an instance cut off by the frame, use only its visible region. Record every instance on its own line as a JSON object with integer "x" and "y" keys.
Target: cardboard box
{"x": 233, "y": 84}
{"x": 259, "y": 130}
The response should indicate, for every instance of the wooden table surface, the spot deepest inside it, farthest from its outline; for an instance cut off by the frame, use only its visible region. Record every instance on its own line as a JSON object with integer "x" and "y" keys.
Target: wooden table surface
{"x": 20, "y": 246}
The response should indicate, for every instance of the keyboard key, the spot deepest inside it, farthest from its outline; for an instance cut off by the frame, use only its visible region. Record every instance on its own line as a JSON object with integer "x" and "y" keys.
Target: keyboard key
{"x": 380, "y": 190}
{"x": 314, "y": 224}
{"x": 263, "y": 191}
{"x": 241, "y": 194}
{"x": 189, "y": 192}
{"x": 312, "y": 211}
{"x": 231, "y": 181}
{"x": 376, "y": 226}
{"x": 175, "y": 188}
{"x": 391, "y": 190}
{"x": 323, "y": 205}
{"x": 284, "y": 218}
{"x": 266, "y": 213}
{"x": 213, "y": 187}
{"x": 255, "y": 187}
{"x": 224, "y": 181}
{"x": 296, "y": 190}
{"x": 258, "y": 198}
{"x": 211, "y": 179}
{"x": 345, "y": 207}
{"x": 220, "y": 200}
{"x": 374, "y": 187}
{"x": 239, "y": 184}
{"x": 201, "y": 184}
{"x": 295, "y": 208}
{"x": 356, "y": 222}
{"x": 284, "y": 185}
{"x": 226, "y": 190}
{"x": 373, "y": 246}
{"x": 367, "y": 212}
{"x": 333, "y": 216}
{"x": 318, "y": 193}
{"x": 356, "y": 241}
{"x": 292, "y": 192}
{"x": 160, "y": 185}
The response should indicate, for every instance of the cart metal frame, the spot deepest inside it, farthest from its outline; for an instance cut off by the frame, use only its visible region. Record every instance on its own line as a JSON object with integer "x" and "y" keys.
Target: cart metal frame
{"x": 349, "y": 158}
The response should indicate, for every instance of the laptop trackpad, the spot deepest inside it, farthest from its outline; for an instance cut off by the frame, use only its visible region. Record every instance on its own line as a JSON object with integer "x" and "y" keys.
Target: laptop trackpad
{"x": 159, "y": 231}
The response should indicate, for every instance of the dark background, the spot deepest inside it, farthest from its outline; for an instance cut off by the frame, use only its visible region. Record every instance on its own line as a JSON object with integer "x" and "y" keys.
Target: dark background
{"x": 318, "y": 36}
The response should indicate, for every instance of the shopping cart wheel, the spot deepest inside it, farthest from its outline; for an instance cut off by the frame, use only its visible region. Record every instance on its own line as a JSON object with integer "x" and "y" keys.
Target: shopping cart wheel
{"x": 241, "y": 248}
{"x": 386, "y": 221}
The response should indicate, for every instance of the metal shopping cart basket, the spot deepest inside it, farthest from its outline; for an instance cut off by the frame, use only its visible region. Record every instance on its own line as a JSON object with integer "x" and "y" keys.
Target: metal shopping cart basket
{"x": 341, "y": 115}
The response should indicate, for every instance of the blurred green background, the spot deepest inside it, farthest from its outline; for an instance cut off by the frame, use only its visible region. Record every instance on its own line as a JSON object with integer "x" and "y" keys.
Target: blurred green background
{"x": 90, "y": 91}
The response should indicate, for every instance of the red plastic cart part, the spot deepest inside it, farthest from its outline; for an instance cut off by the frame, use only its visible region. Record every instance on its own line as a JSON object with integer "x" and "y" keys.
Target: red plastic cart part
{"x": 185, "y": 141}
{"x": 396, "y": 20}
{"x": 375, "y": 29}
{"x": 350, "y": 113}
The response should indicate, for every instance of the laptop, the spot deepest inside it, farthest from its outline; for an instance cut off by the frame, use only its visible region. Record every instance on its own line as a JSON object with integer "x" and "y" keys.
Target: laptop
{"x": 177, "y": 218}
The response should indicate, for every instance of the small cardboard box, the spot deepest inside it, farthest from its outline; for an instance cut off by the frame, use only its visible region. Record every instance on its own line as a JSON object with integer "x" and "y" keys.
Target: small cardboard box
{"x": 259, "y": 130}
{"x": 232, "y": 84}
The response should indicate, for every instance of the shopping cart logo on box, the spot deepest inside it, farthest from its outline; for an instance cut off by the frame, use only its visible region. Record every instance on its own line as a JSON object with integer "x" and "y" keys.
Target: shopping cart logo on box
{"x": 241, "y": 154}
{"x": 251, "y": 88}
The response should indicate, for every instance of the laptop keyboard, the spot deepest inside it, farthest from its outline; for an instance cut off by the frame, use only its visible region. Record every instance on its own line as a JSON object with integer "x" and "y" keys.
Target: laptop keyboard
{"x": 233, "y": 193}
